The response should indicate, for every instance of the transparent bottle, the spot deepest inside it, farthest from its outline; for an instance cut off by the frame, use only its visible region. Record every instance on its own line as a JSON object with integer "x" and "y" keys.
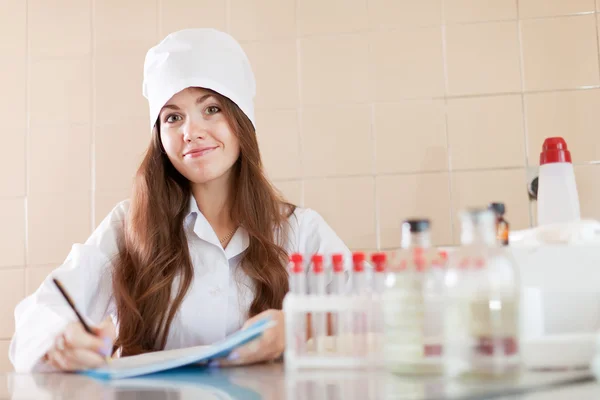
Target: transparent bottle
{"x": 481, "y": 321}
{"x": 404, "y": 303}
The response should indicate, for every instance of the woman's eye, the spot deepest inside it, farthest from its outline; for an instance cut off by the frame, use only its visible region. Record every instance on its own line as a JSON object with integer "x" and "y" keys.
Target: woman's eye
{"x": 173, "y": 118}
{"x": 212, "y": 110}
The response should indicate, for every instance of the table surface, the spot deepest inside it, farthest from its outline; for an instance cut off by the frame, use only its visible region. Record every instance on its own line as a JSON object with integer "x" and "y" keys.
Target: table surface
{"x": 273, "y": 381}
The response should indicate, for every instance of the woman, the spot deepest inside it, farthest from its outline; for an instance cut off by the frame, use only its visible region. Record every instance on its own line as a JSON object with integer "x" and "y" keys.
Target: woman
{"x": 201, "y": 249}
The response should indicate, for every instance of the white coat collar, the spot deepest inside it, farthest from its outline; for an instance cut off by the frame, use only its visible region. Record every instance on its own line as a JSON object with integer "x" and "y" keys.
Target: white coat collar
{"x": 199, "y": 224}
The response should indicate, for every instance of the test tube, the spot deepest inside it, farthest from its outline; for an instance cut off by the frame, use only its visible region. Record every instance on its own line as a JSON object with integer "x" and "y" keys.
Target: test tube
{"x": 319, "y": 326}
{"x": 359, "y": 325}
{"x": 338, "y": 318}
{"x": 379, "y": 261}
{"x": 298, "y": 288}
{"x": 376, "y": 316}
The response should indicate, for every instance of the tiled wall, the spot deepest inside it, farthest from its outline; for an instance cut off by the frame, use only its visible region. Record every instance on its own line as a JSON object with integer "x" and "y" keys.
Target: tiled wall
{"x": 369, "y": 111}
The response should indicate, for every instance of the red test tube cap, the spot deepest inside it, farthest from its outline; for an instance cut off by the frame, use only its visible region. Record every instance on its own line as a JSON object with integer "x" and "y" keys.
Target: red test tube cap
{"x": 358, "y": 259}
{"x": 317, "y": 260}
{"x": 337, "y": 260}
{"x": 379, "y": 260}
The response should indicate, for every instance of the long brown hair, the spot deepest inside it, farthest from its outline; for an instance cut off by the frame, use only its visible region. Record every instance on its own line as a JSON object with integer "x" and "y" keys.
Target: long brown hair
{"x": 153, "y": 251}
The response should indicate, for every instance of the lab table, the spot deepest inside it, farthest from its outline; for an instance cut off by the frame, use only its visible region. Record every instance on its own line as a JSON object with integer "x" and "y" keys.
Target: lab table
{"x": 274, "y": 381}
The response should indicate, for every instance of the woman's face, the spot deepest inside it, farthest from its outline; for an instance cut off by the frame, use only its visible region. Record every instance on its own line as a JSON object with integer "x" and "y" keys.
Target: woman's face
{"x": 197, "y": 137}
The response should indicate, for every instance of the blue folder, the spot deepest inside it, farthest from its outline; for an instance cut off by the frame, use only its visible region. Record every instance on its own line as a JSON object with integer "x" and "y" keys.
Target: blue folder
{"x": 149, "y": 363}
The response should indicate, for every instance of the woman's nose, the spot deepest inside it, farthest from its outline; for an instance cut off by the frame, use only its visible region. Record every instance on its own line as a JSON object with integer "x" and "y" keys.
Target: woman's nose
{"x": 193, "y": 130}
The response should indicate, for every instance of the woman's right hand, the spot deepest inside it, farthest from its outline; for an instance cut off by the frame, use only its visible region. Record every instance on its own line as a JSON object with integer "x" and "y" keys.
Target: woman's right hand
{"x": 75, "y": 349}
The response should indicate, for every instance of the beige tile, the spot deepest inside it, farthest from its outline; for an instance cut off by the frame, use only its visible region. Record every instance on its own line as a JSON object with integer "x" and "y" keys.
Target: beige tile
{"x": 394, "y": 13}
{"x": 35, "y": 276}
{"x": 118, "y": 82}
{"x": 12, "y": 164}
{"x": 119, "y": 150}
{"x": 12, "y": 232}
{"x": 587, "y": 177}
{"x": 477, "y": 11}
{"x": 348, "y": 206}
{"x": 334, "y": 16}
{"x": 106, "y": 200}
{"x": 13, "y": 25}
{"x": 279, "y": 143}
{"x": 262, "y": 19}
{"x": 291, "y": 190}
{"x": 407, "y": 63}
{"x": 13, "y": 81}
{"x": 486, "y": 132}
{"x": 330, "y": 71}
{"x": 59, "y": 158}
{"x": 560, "y": 53}
{"x": 66, "y": 98}
{"x": 116, "y": 26}
{"x": 181, "y": 14}
{"x": 483, "y": 58}
{"x": 12, "y": 290}
{"x": 549, "y": 8}
{"x": 413, "y": 196}
{"x": 572, "y": 115}
{"x": 55, "y": 222}
{"x": 479, "y": 188}
{"x": 59, "y": 28}
{"x": 5, "y": 366}
{"x": 410, "y": 136}
{"x": 337, "y": 141}
{"x": 276, "y": 82}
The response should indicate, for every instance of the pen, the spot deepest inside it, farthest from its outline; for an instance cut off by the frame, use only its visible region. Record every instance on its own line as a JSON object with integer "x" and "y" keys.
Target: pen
{"x": 64, "y": 293}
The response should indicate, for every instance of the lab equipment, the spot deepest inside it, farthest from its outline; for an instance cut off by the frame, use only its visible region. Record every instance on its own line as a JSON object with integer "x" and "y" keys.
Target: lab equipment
{"x": 557, "y": 198}
{"x": 481, "y": 321}
{"x": 412, "y": 337}
{"x": 353, "y": 338}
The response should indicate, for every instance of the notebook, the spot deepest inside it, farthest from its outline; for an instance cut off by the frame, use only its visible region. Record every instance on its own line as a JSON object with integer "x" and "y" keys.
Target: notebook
{"x": 148, "y": 363}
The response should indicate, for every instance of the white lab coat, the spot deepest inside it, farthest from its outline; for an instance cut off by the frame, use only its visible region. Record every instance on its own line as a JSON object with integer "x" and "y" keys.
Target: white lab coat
{"x": 215, "y": 306}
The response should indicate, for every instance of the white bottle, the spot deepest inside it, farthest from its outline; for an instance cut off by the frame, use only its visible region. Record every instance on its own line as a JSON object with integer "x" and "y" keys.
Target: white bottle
{"x": 557, "y": 198}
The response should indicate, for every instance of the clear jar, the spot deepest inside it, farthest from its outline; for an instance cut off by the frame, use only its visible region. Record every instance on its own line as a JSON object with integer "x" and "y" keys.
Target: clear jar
{"x": 406, "y": 350}
{"x": 481, "y": 322}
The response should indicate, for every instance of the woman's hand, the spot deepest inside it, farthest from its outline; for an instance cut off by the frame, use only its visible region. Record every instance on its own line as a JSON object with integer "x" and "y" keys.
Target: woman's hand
{"x": 75, "y": 349}
{"x": 269, "y": 346}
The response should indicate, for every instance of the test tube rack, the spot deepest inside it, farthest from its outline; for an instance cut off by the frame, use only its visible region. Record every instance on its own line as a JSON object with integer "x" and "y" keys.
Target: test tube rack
{"x": 353, "y": 337}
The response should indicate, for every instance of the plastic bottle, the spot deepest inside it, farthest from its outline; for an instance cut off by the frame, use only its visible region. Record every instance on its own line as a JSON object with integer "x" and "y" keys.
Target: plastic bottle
{"x": 557, "y": 198}
{"x": 481, "y": 321}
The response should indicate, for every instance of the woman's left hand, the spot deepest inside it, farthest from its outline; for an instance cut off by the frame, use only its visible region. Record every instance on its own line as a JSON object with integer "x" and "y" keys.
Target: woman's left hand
{"x": 267, "y": 347}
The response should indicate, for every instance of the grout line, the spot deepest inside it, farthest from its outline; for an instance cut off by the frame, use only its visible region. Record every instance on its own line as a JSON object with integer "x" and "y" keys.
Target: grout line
{"x": 446, "y": 97}
{"x": 373, "y": 138}
{"x": 401, "y": 28}
{"x": 299, "y": 110}
{"x": 524, "y": 110}
{"x": 447, "y": 131}
{"x": 93, "y": 115}
{"x": 597, "y": 41}
{"x": 27, "y": 131}
{"x": 377, "y": 211}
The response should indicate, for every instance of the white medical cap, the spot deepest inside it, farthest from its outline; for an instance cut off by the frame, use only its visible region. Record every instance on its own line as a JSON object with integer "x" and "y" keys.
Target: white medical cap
{"x": 204, "y": 58}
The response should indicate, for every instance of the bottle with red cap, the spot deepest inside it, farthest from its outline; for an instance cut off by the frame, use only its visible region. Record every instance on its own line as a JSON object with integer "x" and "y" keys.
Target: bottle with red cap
{"x": 557, "y": 197}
